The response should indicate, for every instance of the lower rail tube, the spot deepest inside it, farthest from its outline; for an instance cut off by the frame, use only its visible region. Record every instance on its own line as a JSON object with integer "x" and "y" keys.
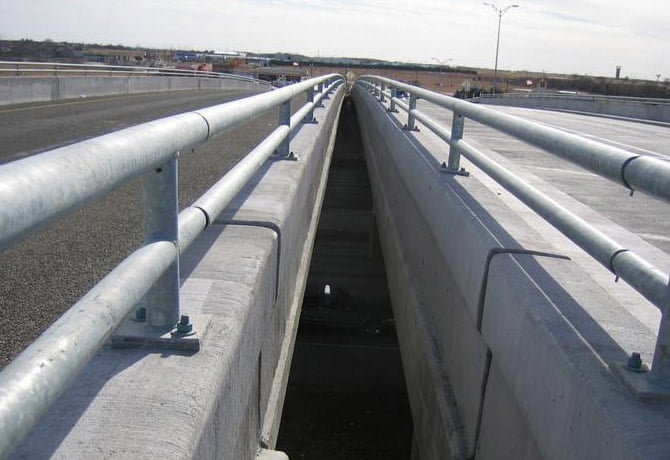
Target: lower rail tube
{"x": 38, "y": 376}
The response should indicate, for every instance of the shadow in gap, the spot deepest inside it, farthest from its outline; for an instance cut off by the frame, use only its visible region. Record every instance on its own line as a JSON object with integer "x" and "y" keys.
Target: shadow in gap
{"x": 346, "y": 397}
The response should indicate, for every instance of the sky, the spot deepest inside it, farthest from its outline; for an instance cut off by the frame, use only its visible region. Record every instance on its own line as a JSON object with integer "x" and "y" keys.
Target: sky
{"x": 585, "y": 37}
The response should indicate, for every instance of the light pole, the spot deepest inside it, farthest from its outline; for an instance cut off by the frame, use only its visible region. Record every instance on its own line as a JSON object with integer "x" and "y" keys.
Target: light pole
{"x": 500, "y": 13}
{"x": 442, "y": 63}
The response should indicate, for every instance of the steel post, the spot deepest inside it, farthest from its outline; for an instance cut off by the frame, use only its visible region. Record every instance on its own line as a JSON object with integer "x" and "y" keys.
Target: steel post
{"x": 320, "y": 90}
{"x": 660, "y": 368}
{"x": 454, "y": 160}
{"x": 159, "y": 198}
{"x": 309, "y": 118}
{"x": 411, "y": 118}
{"x": 394, "y": 95}
{"x": 284, "y": 120}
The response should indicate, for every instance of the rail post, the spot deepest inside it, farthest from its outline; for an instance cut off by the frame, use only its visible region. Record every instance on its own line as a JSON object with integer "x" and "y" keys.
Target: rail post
{"x": 159, "y": 198}
{"x": 660, "y": 368}
{"x": 283, "y": 150}
{"x": 320, "y": 90}
{"x": 326, "y": 85}
{"x": 454, "y": 161}
{"x": 309, "y": 118}
{"x": 411, "y": 118}
{"x": 394, "y": 95}
{"x": 382, "y": 88}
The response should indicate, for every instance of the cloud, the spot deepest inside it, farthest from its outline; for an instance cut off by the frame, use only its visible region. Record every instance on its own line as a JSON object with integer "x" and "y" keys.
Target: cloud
{"x": 574, "y": 36}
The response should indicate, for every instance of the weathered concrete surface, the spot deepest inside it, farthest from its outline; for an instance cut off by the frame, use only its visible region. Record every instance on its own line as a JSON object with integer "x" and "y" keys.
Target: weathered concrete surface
{"x": 651, "y": 110}
{"x": 245, "y": 276}
{"x": 518, "y": 363}
{"x": 20, "y": 90}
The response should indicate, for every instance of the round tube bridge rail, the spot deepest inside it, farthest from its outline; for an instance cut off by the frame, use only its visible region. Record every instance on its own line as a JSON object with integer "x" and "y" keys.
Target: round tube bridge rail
{"x": 632, "y": 171}
{"x": 58, "y": 69}
{"x": 38, "y": 190}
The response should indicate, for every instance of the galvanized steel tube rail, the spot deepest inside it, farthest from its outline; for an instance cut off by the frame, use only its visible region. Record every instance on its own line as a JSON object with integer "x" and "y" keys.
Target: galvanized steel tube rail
{"x": 39, "y": 189}
{"x": 215, "y": 200}
{"x": 17, "y": 67}
{"x": 645, "y": 278}
{"x": 578, "y": 97}
{"x": 194, "y": 219}
{"x": 634, "y": 172}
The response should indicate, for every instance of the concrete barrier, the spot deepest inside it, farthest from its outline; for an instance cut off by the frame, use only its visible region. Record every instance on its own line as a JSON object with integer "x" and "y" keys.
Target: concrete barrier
{"x": 242, "y": 287}
{"x": 640, "y": 109}
{"x": 506, "y": 356}
{"x": 22, "y": 90}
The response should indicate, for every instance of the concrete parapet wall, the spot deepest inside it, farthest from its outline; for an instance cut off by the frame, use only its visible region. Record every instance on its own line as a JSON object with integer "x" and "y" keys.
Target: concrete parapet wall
{"x": 242, "y": 285}
{"x": 22, "y": 90}
{"x": 625, "y": 108}
{"x": 505, "y": 356}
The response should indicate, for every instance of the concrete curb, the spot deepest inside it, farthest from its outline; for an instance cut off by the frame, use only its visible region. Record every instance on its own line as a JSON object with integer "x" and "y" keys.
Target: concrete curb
{"x": 139, "y": 403}
{"x": 516, "y": 364}
{"x": 23, "y": 90}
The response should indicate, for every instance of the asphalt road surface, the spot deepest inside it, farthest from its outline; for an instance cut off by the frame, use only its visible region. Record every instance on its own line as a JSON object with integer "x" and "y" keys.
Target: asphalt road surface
{"x": 43, "y": 276}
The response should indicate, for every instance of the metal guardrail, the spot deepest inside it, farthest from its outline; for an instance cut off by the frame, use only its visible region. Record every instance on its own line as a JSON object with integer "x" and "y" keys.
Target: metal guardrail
{"x": 633, "y": 171}
{"x": 45, "y": 69}
{"x": 576, "y": 97}
{"x": 38, "y": 190}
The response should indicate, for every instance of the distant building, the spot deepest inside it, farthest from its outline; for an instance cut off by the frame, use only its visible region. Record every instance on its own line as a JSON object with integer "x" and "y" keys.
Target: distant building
{"x": 126, "y": 56}
{"x": 280, "y": 76}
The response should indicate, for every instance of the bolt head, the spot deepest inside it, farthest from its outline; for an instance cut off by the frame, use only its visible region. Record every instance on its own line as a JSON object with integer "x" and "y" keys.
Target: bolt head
{"x": 635, "y": 362}
{"x": 184, "y": 325}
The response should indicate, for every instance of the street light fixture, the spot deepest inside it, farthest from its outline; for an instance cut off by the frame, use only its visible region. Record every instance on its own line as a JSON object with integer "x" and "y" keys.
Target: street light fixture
{"x": 500, "y": 13}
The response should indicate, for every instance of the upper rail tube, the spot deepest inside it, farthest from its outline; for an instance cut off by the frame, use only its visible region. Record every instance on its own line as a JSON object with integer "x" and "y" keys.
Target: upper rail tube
{"x": 578, "y": 97}
{"x": 635, "y": 172}
{"x": 63, "y": 69}
{"x": 215, "y": 200}
{"x": 39, "y": 189}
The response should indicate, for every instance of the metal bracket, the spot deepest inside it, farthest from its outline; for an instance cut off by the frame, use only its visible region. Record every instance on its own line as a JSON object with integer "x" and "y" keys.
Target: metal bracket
{"x": 641, "y": 382}
{"x": 134, "y": 333}
{"x": 458, "y": 172}
{"x": 290, "y": 157}
{"x": 485, "y": 277}
{"x": 407, "y": 128}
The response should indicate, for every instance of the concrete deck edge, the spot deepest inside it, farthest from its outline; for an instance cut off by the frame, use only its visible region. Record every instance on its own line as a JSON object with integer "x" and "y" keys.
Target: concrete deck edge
{"x": 24, "y": 90}
{"x": 549, "y": 359}
{"x": 138, "y": 403}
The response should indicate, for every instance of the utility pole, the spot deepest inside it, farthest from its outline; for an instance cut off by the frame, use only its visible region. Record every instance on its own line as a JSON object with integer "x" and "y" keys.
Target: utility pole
{"x": 500, "y": 13}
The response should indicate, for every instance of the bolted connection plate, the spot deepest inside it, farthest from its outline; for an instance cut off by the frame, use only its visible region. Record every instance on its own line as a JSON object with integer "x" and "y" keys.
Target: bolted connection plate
{"x": 133, "y": 334}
